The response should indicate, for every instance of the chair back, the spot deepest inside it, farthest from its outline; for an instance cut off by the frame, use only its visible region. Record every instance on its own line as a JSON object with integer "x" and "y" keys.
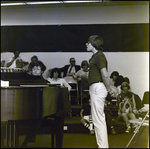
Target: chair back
{"x": 70, "y": 80}
{"x": 145, "y": 98}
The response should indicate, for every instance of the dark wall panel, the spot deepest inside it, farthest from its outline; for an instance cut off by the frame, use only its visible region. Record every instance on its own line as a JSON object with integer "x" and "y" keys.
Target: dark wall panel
{"x": 72, "y": 38}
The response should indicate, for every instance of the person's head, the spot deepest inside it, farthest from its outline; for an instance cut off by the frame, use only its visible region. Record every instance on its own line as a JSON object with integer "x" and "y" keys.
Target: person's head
{"x": 119, "y": 80}
{"x": 95, "y": 41}
{"x": 55, "y": 73}
{"x": 16, "y": 53}
{"x": 34, "y": 59}
{"x": 125, "y": 87}
{"x": 36, "y": 70}
{"x": 114, "y": 75}
{"x": 84, "y": 65}
{"x": 126, "y": 79}
{"x": 72, "y": 61}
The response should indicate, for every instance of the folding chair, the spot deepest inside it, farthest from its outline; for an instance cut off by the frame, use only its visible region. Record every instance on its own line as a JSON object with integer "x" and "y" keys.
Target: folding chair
{"x": 74, "y": 84}
{"x": 140, "y": 123}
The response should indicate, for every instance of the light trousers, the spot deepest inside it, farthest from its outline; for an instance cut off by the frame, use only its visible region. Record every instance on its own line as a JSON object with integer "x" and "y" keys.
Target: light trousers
{"x": 98, "y": 94}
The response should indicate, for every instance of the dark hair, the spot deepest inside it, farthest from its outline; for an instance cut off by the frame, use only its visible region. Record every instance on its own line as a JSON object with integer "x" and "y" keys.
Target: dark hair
{"x": 96, "y": 41}
{"x": 126, "y": 79}
{"x": 71, "y": 59}
{"x": 55, "y": 70}
{"x": 125, "y": 84}
{"x": 34, "y": 57}
{"x": 119, "y": 80}
{"x": 16, "y": 51}
{"x": 114, "y": 73}
{"x": 85, "y": 62}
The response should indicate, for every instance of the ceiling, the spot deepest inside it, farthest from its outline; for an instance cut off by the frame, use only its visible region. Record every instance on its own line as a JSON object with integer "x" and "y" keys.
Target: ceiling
{"x": 85, "y": 3}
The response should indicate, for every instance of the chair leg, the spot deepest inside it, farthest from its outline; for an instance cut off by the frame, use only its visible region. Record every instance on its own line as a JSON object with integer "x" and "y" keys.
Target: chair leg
{"x": 52, "y": 137}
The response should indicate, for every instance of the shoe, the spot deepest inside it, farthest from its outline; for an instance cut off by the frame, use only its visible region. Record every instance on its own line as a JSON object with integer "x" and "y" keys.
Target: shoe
{"x": 92, "y": 132}
{"x": 128, "y": 130}
{"x": 87, "y": 125}
{"x": 134, "y": 129}
{"x": 113, "y": 132}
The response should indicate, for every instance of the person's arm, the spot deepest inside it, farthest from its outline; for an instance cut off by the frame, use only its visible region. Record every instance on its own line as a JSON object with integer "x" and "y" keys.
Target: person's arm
{"x": 105, "y": 78}
{"x": 10, "y": 61}
{"x": 81, "y": 113}
{"x": 65, "y": 84}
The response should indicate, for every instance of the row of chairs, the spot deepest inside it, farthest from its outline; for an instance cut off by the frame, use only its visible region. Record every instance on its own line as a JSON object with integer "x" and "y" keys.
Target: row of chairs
{"x": 75, "y": 88}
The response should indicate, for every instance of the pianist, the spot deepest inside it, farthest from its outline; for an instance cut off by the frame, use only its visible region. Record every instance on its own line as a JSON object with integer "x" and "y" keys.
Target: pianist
{"x": 34, "y": 61}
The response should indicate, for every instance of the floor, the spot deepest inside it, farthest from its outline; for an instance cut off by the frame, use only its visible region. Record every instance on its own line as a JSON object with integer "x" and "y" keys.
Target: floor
{"x": 77, "y": 136}
{"x": 85, "y": 140}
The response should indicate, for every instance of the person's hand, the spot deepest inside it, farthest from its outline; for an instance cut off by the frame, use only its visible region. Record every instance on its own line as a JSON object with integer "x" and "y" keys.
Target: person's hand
{"x": 135, "y": 111}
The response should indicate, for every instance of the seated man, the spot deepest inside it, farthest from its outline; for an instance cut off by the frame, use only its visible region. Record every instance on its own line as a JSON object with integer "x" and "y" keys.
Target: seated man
{"x": 69, "y": 70}
{"x": 17, "y": 61}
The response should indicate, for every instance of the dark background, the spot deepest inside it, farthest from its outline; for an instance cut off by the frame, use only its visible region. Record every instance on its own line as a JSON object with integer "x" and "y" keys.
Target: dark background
{"x": 72, "y": 38}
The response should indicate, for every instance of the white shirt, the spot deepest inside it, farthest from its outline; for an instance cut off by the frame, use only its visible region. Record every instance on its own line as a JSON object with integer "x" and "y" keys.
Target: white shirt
{"x": 73, "y": 69}
{"x": 82, "y": 73}
{"x": 13, "y": 65}
{"x": 60, "y": 81}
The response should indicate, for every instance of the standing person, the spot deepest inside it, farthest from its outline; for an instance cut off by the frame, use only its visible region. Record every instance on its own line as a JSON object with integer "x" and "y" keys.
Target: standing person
{"x": 99, "y": 88}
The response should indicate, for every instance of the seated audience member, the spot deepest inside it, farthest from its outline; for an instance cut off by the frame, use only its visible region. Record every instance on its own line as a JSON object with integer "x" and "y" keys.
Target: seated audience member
{"x": 85, "y": 113}
{"x": 55, "y": 78}
{"x": 126, "y": 79}
{"x": 36, "y": 74}
{"x": 35, "y": 61}
{"x": 127, "y": 106}
{"x": 2, "y": 62}
{"x": 114, "y": 75}
{"x": 119, "y": 81}
{"x": 69, "y": 70}
{"x": 108, "y": 113}
{"x": 138, "y": 100}
{"x": 82, "y": 75}
{"x": 17, "y": 61}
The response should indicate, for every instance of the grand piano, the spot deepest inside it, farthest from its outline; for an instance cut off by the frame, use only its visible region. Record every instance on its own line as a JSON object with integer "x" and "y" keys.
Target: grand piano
{"x": 29, "y": 98}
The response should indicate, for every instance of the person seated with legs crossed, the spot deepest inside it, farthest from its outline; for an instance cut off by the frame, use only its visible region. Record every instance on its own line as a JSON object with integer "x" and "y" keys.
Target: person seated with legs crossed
{"x": 85, "y": 113}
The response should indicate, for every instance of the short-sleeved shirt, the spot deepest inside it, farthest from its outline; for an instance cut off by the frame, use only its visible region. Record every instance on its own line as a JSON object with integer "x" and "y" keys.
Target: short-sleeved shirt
{"x": 96, "y": 63}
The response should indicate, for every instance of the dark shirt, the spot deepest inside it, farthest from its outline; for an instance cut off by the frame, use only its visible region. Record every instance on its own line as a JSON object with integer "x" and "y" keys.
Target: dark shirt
{"x": 65, "y": 69}
{"x": 97, "y": 62}
{"x": 38, "y": 63}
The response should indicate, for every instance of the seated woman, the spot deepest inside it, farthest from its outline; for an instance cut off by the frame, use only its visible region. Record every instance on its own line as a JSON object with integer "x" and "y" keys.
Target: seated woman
{"x": 114, "y": 75}
{"x": 55, "y": 78}
{"x": 127, "y": 106}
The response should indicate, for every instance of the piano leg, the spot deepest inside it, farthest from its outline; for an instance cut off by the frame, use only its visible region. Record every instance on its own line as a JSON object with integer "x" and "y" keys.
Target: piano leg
{"x": 59, "y": 131}
{"x": 4, "y": 138}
